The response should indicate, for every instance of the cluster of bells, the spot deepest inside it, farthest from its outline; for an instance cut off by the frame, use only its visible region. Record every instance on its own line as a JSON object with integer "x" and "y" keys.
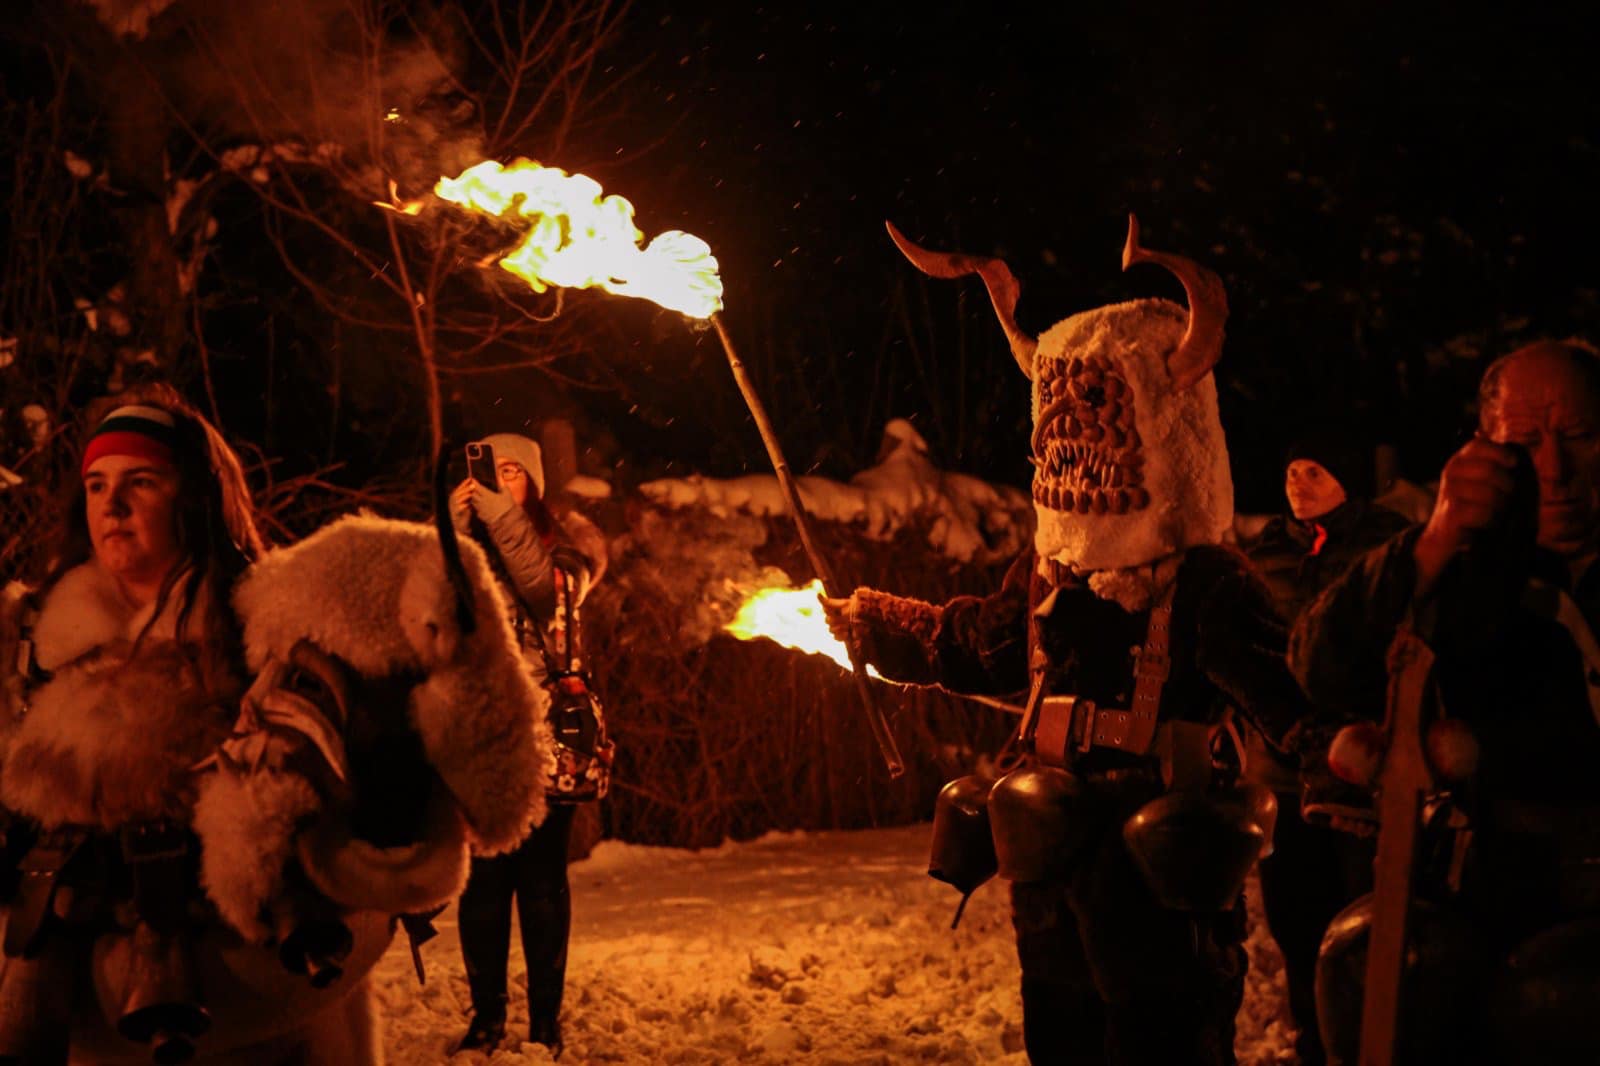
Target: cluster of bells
{"x": 1194, "y": 847}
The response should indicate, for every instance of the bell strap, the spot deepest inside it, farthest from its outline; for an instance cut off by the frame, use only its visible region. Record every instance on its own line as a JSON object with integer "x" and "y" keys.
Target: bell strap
{"x": 32, "y": 906}
{"x": 1150, "y": 673}
{"x": 1062, "y": 727}
{"x": 559, "y": 643}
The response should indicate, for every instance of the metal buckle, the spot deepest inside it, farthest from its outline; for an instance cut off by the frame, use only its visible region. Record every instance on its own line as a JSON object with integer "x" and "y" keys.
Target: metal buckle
{"x": 1084, "y": 716}
{"x": 148, "y": 842}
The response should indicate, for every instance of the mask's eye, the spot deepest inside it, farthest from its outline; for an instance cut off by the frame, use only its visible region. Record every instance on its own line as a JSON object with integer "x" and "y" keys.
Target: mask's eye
{"x": 304, "y": 683}
{"x": 1095, "y": 396}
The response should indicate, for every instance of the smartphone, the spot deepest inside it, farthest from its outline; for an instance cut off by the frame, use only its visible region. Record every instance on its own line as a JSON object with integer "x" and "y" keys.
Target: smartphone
{"x": 480, "y": 465}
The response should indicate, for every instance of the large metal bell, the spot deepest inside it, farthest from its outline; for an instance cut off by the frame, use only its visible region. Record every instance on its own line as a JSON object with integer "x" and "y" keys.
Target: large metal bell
{"x": 1195, "y": 848}
{"x": 316, "y": 947}
{"x": 160, "y": 1002}
{"x": 962, "y": 853}
{"x": 1441, "y": 988}
{"x": 1547, "y": 1000}
{"x": 1041, "y": 820}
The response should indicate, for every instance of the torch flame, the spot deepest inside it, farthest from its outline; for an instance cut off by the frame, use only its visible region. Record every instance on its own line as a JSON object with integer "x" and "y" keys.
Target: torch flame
{"x": 577, "y": 238}
{"x": 792, "y": 618}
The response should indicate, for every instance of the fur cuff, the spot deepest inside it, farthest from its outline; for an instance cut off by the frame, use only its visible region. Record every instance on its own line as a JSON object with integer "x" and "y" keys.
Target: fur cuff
{"x": 246, "y": 826}
{"x": 403, "y": 880}
{"x": 872, "y": 610}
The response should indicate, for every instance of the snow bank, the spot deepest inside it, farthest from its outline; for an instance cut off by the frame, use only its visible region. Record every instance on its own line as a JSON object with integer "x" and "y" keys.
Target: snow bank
{"x": 967, "y": 519}
{"x": 829, "y": 947}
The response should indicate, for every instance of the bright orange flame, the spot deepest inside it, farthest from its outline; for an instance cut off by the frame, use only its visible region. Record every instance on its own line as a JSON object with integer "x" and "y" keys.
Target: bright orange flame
{"x": 793, "y": 618}
{"x": 579, "y": 239}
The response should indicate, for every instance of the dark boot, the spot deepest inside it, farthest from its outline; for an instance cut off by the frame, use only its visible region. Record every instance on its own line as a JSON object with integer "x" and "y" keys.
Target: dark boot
{"x": 546, "y": 1031}
{"x": 486, "y": 1033}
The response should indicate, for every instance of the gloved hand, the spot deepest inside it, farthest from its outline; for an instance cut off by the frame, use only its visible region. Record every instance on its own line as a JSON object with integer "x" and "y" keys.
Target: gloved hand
{"x": 473, "y": 497}
{"x": 841, "y": 613}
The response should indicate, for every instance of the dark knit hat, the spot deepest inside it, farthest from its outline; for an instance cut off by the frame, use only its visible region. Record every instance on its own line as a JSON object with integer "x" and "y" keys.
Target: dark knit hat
{"x": 1340, "y": 453}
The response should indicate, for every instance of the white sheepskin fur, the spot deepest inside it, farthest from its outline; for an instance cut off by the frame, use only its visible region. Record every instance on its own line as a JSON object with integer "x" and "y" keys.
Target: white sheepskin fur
{"x": 1186, "y": 454}
{"x": 248, "y": 822}
{"x": 374, "y": 592}
{"x": 109, "y": 739}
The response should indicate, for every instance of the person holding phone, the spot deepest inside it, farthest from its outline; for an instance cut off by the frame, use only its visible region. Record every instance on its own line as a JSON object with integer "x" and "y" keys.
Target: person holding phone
{"x": 547, "y": 566}
{"x": 1501, "y": 581}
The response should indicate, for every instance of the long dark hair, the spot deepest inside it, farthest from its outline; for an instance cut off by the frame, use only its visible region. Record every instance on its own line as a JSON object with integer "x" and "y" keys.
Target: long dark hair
{"x": 215, "y": 524}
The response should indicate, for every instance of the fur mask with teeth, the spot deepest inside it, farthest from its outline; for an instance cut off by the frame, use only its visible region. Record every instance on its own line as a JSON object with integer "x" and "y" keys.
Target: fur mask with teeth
{"x": 1130, "y": 463}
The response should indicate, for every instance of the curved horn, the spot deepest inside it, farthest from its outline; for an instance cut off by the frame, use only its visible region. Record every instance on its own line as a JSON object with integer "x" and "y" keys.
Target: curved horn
{"x": 1201, "y": 345}
{"x": 997, "y": 277}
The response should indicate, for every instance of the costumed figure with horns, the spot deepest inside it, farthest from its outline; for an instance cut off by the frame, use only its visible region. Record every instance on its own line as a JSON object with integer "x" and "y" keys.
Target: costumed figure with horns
{"x": 1134, "y": 632}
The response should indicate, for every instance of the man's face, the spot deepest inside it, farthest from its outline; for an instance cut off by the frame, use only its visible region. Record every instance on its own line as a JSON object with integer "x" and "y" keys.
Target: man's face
{"x": 1312, "y": 491}
{"x": 132, "y": 514}
{"x": 1545, "y": 404}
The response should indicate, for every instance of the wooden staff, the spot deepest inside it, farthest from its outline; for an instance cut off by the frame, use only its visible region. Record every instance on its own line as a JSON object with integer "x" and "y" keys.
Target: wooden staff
{"x": 1401, "y": 784}
{"x": 797, "y": 511}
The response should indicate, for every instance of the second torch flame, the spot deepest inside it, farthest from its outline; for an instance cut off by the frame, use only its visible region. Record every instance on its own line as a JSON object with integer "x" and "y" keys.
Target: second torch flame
{"x": 577, "y": 238}
{"x": 792, "y": 618}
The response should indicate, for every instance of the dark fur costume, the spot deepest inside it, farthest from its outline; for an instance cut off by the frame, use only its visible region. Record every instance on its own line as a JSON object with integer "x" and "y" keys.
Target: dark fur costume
{"x": 1103, "y": 964}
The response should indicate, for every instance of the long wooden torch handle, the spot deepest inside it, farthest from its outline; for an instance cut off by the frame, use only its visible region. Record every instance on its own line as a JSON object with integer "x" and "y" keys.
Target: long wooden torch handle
{"x": 797, "y": 511}
{"x": 1401, "y": 784}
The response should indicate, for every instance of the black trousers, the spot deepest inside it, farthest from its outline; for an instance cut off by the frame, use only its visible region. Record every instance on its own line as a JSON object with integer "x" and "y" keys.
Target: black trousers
{"x": 1109, "y": 976}
{"x": 535, "y": 875}
{"x": 1312, "y": 874}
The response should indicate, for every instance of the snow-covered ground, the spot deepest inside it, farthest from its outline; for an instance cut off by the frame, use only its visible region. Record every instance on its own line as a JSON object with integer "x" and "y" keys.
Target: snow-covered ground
{"x": 819, "y": 947}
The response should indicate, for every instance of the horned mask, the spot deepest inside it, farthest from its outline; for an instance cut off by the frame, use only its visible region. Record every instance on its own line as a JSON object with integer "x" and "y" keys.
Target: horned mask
{"x": 1130, "y": 463}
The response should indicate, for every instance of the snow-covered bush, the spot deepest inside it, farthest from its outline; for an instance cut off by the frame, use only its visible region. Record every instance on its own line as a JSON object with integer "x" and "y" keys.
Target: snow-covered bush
{"x": 719, "y": 737}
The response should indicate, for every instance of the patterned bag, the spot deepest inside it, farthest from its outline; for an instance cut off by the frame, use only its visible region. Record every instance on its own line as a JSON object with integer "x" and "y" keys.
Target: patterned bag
{"x": 584, "y": 751}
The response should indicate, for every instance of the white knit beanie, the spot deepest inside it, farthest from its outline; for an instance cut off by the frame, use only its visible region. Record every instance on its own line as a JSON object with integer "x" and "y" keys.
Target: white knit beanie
{"x": 523, "y": 452}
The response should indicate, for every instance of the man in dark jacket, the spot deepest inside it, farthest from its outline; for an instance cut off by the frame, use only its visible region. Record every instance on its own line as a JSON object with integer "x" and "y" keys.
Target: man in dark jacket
{"x": 1330, "y": 523}
{"x": 1314, "y": 870}
{"x": 1508, "y": 613}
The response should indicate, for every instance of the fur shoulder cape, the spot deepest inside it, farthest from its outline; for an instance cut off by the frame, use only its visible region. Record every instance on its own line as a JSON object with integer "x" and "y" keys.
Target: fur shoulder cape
{"x": 110, "y": 738}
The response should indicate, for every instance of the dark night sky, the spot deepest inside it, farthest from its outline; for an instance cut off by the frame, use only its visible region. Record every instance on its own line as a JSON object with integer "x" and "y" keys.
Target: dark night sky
{"x": 1437, "y": 171}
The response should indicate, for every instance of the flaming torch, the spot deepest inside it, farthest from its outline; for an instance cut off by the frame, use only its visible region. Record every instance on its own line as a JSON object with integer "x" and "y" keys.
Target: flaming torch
{"x": 573, "y": 236}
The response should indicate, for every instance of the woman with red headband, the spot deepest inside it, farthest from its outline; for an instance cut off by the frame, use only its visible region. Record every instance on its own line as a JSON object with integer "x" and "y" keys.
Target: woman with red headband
{"x": 118, "y": 671}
